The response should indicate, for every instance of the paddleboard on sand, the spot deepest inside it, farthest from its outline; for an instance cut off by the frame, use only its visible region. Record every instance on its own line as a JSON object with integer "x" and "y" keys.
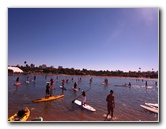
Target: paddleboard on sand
{"x": 152, "y": 109}
{"x": 62, "y": 88}
{"x": 48, "y": 99}
{"x": 21, "y": 115}
{"x": 86, "y": 106}
{"x": 152, "y": 104}
{"x": 38, "y": 119}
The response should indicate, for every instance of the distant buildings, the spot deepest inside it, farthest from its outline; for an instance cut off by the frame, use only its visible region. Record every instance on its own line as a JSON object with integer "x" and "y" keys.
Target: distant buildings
{"x": 15, "y": 69}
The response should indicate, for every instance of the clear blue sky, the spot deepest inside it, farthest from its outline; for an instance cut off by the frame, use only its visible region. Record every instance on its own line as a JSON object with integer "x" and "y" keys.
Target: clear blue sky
{"x": 91, "y": 38}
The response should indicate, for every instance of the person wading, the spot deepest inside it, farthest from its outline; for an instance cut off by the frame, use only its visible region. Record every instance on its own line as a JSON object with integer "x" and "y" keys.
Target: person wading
{"x": 110, "y": 103}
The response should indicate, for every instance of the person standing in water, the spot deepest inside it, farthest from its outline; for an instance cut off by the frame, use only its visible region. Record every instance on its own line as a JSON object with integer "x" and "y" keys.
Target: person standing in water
{"x": 75, "y": 85}
{"x": 34, "y": 78}
{"x": 17, "y": 79}
{"x": 83, "y": 98}
{"x": 110, "y": 103}
{"x": 47, "y": 90}
{"x": 63, "y": 84}
{"x": 146, "y": 84}
{"x": 51, "y": 81}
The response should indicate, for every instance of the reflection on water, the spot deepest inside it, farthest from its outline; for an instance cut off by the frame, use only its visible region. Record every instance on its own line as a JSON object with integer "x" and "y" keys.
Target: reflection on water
{"x": 128, "y": 99}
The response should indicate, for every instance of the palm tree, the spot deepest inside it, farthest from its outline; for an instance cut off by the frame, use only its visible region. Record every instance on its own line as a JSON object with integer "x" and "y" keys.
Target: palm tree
{"x": 25, "y": 63}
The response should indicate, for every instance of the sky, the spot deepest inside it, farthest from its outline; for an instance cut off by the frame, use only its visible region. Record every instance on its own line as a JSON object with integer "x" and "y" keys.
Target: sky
{"x": 91, "y": 38}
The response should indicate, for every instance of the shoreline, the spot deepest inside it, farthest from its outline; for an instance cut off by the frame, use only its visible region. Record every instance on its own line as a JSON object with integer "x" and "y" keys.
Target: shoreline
{"x": 50, "y": 74}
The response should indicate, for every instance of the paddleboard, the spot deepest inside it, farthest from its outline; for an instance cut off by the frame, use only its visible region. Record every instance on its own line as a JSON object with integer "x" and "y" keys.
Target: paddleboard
{"x": 17, "y": 83}
{"x": 33, "y": 80}
{"x": 86, "y": 106}
{"x": 26, "y": 81}
{"x": 48, "y": 99}
{"x": 62, "y": 88}
{"x": 105, "y": 84}
{"x": 22, "y": 117}
{"x": 75, "y": 89}
{"x": 152, "y": 109}
{"x": 152, "y": 104}
{"x": 121, "y": 85}
{"x": 38, "y": 119}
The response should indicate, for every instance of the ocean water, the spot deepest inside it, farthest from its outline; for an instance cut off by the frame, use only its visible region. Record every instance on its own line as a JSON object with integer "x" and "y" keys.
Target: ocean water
{"x": 127, "y": 100}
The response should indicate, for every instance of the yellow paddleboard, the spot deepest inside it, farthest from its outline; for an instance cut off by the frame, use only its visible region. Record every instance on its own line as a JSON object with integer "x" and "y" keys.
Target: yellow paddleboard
{"x": 48, "y": 99}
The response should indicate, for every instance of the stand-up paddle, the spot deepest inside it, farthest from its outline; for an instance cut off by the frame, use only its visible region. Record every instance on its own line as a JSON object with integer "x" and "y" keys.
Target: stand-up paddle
{"x": 81, "y": 95}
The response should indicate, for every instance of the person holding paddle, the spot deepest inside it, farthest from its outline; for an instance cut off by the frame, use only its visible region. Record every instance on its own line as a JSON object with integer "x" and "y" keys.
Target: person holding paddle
{"x": 110, "y": 103}
{"x": 47, "y": 90}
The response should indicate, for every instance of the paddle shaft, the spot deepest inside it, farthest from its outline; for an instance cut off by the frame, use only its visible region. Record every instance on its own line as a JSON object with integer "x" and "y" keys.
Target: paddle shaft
{"x": 81, "y": 94}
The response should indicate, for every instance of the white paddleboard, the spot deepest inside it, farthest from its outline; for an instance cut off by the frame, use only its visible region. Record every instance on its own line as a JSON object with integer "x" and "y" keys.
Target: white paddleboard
{"x": 75, "y": 89}
{"x": 62, "y": 88}
{"x": 86, "y": 106}
{"x": 33, "y": 80}
{"x": 26, "y": 81}
{"x": 152, "y": 109}
{"x": 152, "y": 104}
{"x": 107, "y": 117}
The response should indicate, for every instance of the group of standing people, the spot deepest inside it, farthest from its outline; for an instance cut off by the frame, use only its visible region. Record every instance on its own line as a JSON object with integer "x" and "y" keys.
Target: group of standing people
{"x": 18, "y": 78}
{"x": 109, "y": 99}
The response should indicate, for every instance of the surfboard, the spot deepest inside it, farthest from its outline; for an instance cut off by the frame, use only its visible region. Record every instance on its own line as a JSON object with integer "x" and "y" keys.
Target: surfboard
{"x": 48, "y": 99}
{"x": 62, "y": 88}
{"x": 23, "y": 117}
{"x": 152, "y": 104}
{"x": 152, "y": 109}
{"x": 86, "y": 106}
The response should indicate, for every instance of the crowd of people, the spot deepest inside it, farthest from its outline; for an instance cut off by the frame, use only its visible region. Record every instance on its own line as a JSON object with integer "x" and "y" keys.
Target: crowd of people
{"x": 110, "y": 99}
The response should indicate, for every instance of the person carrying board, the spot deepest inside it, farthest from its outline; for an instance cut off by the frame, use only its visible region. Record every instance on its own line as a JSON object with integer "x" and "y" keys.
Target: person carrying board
{"x": 110, "y": 103}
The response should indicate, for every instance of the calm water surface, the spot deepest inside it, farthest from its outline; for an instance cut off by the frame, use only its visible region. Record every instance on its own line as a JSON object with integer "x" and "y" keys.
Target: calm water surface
{"x": 127, "y": 108}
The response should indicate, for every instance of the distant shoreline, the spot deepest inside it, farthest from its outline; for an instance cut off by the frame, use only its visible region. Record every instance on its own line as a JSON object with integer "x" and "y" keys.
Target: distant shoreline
{"x": 140, "y": 78}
